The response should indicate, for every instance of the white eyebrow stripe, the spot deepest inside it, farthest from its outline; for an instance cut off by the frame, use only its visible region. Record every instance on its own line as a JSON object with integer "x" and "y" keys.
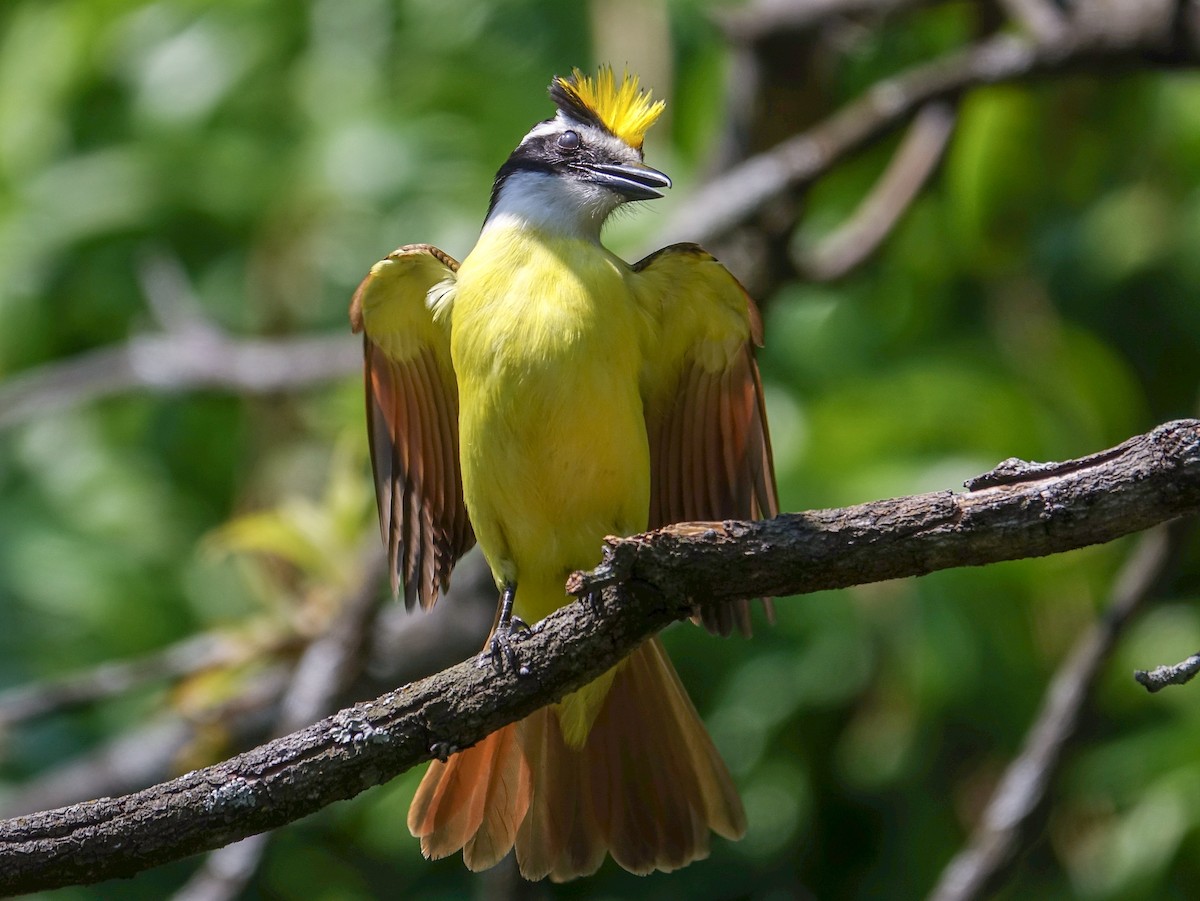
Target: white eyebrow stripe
{"x": 544, "y": 129}
{"x": 617, "y": 148}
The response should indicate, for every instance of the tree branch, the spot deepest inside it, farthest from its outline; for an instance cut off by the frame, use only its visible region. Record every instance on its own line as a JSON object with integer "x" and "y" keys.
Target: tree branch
{"x": 1018, "y": 510}
{"x": 1148, "y": 479}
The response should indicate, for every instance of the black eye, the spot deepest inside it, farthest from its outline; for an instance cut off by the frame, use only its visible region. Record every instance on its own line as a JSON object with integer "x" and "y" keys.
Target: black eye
{"x": 568, "y": 141}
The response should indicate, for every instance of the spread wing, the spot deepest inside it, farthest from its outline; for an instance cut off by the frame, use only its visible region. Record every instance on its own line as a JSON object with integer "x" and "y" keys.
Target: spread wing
{"x": 412, "y": 419}
{"x": 710, "y": 454}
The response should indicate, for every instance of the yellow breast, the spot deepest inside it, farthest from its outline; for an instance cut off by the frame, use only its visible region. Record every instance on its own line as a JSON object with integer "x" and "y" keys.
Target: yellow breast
{"x": 545, "y": 341}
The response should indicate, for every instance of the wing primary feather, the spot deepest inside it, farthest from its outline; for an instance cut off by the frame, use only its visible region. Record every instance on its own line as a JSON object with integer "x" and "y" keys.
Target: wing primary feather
{"x": 448, "y": 495}
{"x": 704, "y": 437}
{"x": 731, "y": 459}
{"x": 424, "y": 483}
{"x": 670, "y": 461}
{"x": 700, "y": 506}
{"x": 414, "y": 483}
{"x": 705, "y": 413}
{"x": 654, "y": 435}
{"x": 766, "y": 488}
{"x": 383, "y": 464}
{"x": 388, "y": 444}
{"x": 460, "y": 535}
{"x": 433, "y": 486}
{"x": 693, "y": 473}
{"x": 731, "y": 442}
{"x": 698, "y": 502}
{"x": 675, "y": 463}
{"x": 716, "y": 440}
{"x": 395, "y": 417}
{"x": 395, "y": 539}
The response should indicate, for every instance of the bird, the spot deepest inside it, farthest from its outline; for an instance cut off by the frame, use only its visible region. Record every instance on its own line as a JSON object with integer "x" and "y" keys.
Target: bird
{"x": 536, "y": 398}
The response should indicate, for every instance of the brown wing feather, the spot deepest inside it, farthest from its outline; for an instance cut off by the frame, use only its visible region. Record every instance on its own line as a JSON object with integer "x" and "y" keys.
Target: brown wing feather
{"x": 710, "y": 452}
{"x": 412, "y": 421}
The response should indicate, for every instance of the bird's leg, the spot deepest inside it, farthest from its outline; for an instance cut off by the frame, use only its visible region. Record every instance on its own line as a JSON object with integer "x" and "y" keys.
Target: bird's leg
{"x": 595, "y": 601}
{"x": 500, "y": 647}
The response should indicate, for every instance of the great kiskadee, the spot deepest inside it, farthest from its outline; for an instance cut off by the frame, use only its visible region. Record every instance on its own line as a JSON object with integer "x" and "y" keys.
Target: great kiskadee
{"x": 538, "y": 397}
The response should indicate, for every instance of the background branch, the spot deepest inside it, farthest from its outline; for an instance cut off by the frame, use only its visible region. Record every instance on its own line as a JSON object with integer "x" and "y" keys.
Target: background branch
{"x": 1040, "y": 18}
{"x": 1148, "y": 479}
{"x": 117, "y": 677}
{"x": 187, "y": 357}
{"x": 1099, "y": 38}
{"x": 856, "y": 239}
{"x": 1010, "y": 813}
{"x": 177, "y": 361}
{"x": 768, "y": 18}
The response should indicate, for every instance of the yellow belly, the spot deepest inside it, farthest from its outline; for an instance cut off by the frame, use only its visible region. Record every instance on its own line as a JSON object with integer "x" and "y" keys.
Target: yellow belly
{"x": 545, "y": 342}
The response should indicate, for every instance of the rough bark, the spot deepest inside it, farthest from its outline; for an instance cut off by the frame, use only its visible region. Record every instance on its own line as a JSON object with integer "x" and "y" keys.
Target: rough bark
{"x": 1017, "y": 510}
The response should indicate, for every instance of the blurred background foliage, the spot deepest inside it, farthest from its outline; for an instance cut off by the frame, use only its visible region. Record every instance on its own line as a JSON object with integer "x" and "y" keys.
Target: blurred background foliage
{"x": 1038, "y": 300}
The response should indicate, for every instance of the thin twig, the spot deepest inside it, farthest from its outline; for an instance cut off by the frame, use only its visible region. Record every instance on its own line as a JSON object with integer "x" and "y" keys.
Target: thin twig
{"x": 335, "y": 659}
{"x": 1010, "y": 814}
{"x": 150, "y": 753}
{"x": 115, "y": 678}
{"x": 226, "y": 872}
{"x": 1041, "y": 19}
{"x": 191, "y": 352}
{"x": 1171, "y": 674}
{"x": 169, "y": 294}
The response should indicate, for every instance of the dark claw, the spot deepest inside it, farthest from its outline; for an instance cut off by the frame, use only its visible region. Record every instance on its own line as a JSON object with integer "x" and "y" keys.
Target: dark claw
{"x": 501, "y": 649}
{"x": 442, "y": 750}
{"x": 595, "y": 602}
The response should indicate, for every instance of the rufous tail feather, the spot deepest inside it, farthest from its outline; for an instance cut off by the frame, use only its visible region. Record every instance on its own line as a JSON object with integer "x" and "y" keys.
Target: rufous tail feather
{"x": 647, "y": 787}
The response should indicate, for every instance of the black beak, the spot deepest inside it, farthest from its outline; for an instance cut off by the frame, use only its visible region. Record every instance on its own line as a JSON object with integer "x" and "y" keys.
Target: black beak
{"x": 632, "y": 181}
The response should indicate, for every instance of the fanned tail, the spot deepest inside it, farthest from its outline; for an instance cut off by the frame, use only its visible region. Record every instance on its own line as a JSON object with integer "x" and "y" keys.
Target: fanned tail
{"x": 474, "y": 801}
{"x": 647, "y": 786}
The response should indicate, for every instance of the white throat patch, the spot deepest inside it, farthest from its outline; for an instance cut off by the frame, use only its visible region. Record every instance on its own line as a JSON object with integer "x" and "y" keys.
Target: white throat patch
{"x": 555, "y": 203}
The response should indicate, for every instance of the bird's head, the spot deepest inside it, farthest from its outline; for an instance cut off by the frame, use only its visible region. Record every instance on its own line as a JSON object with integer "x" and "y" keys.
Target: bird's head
{"x": 570, "y": 172}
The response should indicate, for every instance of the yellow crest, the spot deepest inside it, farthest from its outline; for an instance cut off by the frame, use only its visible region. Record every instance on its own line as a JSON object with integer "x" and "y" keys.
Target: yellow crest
{"x": 625, "y": 110}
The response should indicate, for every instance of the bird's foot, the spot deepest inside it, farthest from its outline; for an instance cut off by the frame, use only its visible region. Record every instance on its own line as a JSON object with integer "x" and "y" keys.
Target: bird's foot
{"x": 595, "y": 601}
{"x": 500, "y": 648}
{"x": 442, "y": 750}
